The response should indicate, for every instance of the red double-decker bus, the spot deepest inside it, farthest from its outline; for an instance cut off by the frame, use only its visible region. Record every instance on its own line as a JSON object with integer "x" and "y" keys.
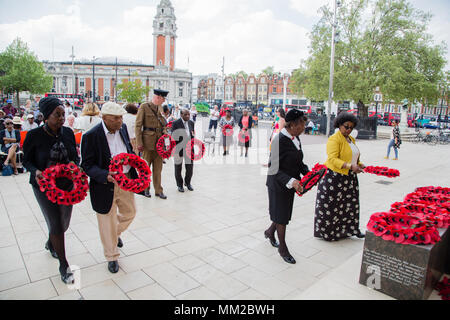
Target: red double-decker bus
{"x": 77, "y": 100}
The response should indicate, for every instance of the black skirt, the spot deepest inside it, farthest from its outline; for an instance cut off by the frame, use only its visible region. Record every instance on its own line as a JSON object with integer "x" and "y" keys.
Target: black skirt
{"x": 337, "y": 207}
{"x": 56, "y": 216}
{"x": 280, "y": 206}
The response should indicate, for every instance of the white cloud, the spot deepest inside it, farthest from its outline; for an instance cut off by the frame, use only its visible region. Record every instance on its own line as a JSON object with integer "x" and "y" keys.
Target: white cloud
{"x": 309, "y": 8}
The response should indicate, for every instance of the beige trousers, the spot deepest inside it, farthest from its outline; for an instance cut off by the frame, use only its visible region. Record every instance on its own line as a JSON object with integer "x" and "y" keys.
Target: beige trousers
{"x": 116, "y": 221}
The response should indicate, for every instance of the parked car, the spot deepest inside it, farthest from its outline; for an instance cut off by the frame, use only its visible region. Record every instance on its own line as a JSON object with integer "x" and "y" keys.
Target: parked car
{"x": 431, "y": 125}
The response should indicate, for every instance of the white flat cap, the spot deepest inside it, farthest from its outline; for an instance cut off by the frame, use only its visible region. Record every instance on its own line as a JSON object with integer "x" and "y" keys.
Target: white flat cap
{"x": 112, "y": 108}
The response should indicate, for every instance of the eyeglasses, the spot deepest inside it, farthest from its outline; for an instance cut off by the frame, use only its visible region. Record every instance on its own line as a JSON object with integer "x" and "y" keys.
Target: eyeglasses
{"x": 8, "y": 123}
{"x": 348, "y": 128}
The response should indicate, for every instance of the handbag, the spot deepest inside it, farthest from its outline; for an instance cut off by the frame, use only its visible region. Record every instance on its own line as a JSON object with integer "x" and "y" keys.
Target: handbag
{"x": 7, "y": 171}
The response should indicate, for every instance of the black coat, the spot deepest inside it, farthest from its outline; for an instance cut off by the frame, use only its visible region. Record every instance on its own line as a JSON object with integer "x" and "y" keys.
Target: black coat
{"x": 37, "y": 146}
{"x": 96, "y": 159}
{"x": 286, "y": 162}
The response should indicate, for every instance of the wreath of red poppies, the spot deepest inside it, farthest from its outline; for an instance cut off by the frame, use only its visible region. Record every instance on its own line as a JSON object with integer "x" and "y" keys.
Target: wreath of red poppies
{"x": 402, "y": 228}
{"x": 228, "y": 130}
{"x": 443, "y": 288}
{"x": 416, "y": 219}
{"x": 164, "y": 151}
{"x": 190, "y": 151}
{"x": 382, "y": 171}
{"x": 131, "y": 185}
{"x": 312, "y": 178}
{"x": 69, "y": 171}
{"x": 169, "y": 125}
{"x": 244, "y": 136}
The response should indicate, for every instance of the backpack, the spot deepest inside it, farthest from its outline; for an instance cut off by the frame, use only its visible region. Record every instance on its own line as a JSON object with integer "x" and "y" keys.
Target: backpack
{"x": 7, "y": 171}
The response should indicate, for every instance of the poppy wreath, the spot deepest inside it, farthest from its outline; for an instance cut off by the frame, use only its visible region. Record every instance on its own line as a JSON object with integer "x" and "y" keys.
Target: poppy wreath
{"x": 443, "y": 288}
{"x": 190, "y": 151}
{"x": 131, "y": 185}
{"x": 312, "y": 178}
{"x": 382, "y": 171}
{"x": 69, "y": 171}
{"x": 434, "y": 214}
{"x": 437, "y": 190}
{"x": 161, "y": 147}
{"x": 402, "y": 228}
{"x": 437, "y": 199}
{"x": 228, "y": 130}
{"x": 169, "y": 125}
{"x": 244, "y": 136}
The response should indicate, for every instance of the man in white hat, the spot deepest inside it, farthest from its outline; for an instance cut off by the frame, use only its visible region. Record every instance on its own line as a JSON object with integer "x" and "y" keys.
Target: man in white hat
{"x": 115, "y": 207}
{"x": 29, "y": 124}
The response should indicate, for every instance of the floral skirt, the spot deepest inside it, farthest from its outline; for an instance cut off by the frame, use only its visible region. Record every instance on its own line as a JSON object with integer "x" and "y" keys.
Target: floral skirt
{"x": 337, "y": 207}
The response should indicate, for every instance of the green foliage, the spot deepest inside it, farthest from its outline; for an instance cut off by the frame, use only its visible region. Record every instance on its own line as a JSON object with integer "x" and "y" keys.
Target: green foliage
{"x": 132, "y": 91}
{"x": 268, "y": 71}
{"x": 20, "y": 70}
{"x": 202, "y": 107}
{"x": 383, "y": 43}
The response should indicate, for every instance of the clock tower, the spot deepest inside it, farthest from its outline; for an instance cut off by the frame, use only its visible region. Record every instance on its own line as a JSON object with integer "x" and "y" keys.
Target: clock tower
{"x": 164, "y": 35}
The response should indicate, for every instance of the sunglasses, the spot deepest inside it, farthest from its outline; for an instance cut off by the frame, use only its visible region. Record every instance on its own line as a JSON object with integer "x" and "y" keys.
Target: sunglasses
{"x": 8, "y": 123}
{"x": 348, "y": 128}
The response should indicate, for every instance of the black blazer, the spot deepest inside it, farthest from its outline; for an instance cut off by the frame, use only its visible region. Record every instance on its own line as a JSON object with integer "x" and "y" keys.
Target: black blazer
{"x": 96, "y": 159}
{"x": 285, "y": 162}
{"x": 180, "y": 136}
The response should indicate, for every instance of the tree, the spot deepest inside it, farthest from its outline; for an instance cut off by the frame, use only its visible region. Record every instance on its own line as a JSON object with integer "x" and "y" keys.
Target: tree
{"x": 20, "y": 70}
{"x": 133, "y": 91}
{"x": 390, "y": 49}
{"x": 269, "y": 70}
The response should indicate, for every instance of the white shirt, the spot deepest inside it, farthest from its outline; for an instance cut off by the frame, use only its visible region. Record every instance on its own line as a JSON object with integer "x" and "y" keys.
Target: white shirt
{"x": 355, "y": 152}
{"x": 186, "y": 126}
{"x": 296, "y": 143}
{"x": 68, "y": 111}
{"x": 130, "y": 120}
{"x": 214, "y": 115}
{"x": 116, "y": 144}
{"x": 86, "y": 123}
{"x": 26, "y": 126}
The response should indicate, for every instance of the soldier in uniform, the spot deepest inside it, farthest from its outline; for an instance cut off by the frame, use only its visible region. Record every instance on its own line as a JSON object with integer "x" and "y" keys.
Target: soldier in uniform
{"x": 150, "y": 126}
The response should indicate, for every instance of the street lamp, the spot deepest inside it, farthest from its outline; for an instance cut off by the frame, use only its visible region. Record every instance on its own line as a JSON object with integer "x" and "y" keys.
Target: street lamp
{"x": 330, "y": 89}
{"x": 93, "y": 78}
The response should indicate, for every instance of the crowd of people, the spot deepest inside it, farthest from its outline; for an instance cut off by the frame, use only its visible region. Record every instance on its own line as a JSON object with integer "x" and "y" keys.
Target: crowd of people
{"x": 132, "y": 128}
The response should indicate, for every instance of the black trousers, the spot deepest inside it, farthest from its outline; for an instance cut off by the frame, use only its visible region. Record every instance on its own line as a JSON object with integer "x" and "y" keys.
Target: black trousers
{"x": 189, "y": 165}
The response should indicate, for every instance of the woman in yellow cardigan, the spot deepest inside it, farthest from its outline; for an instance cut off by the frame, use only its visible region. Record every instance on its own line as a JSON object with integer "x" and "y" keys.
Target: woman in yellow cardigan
{"x": 337, "y": 200}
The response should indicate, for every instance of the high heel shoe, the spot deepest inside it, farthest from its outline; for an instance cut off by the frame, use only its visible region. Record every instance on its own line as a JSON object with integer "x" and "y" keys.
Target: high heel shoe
{"x": 288, "y": 258}
{"x": 273, "y": 242}
{"x": 66, "y": 277}
{"x": 360, "y": 235}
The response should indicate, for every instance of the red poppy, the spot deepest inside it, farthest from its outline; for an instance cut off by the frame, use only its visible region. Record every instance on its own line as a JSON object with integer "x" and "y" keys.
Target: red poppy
{"x": 228, "y": 130}
{"x": 163, "y": 151}
{"x": 62, "y": 197}
{"x": 312, "y": 178}
{"x": 382, "y": 171}
{"x": 244, "y": 136}
{"x": 190, "y": 150}
{"x": 131, "y": 185}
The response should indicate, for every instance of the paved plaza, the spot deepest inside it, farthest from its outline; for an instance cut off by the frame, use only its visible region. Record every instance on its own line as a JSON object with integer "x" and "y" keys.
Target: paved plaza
{"x": 209, "y": 244}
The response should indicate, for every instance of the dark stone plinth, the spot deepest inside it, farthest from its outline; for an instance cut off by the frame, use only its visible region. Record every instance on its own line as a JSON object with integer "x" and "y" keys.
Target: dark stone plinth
{"x": 405, "y": 272}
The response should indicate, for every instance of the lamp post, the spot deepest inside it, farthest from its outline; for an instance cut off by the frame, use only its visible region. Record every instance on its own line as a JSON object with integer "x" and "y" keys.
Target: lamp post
{"x": 330, "y": 89}
{"x": 73, "y": 74}
{"x": 94, "y": 98}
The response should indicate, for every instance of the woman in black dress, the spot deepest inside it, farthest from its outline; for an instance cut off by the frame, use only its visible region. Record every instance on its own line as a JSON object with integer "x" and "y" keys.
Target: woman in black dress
{"x": 44, "y": 147}
{"x": 283, "y": 179}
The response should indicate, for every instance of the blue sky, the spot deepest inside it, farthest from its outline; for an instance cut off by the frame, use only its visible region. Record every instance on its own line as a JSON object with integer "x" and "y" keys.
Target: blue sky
{"x": 251, "y": 34}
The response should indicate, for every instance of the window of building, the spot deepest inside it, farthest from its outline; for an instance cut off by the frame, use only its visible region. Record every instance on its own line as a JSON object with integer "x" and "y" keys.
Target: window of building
{"x": 81, "y": 82}
{"x": 64, "y": 81}
{"x": 161, "y": 25}
{"x": 180, "y": 92}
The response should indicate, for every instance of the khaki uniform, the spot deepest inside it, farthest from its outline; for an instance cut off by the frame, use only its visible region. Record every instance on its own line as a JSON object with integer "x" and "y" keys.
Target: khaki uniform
{"x": 146, "y": 119}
